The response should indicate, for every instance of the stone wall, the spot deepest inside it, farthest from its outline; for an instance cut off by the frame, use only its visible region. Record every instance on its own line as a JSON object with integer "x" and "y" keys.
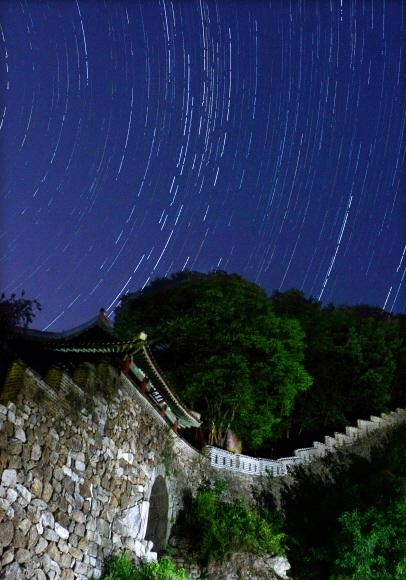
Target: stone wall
{"x": 76, "y": 483}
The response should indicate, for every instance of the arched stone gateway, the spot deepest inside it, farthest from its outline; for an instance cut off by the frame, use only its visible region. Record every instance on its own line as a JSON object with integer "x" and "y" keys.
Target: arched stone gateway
{"x": 158, "y": 515}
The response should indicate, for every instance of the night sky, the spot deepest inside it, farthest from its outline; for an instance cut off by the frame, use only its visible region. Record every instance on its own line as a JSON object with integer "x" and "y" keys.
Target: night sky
{"x": 139, "y": 138}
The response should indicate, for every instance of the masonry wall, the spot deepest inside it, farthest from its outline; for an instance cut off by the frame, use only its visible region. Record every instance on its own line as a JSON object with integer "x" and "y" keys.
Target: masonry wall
{"x": 75, "y": 484}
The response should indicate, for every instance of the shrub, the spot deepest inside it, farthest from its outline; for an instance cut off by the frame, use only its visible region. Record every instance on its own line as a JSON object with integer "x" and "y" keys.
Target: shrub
{"x": 121, "y": 568}
{"x": 218, "y": 527}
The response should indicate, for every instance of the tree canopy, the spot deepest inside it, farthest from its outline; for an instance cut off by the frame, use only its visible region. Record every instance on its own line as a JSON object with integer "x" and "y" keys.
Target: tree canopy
{"x": 356, "y": 357}
{"x": 226, "y": 352}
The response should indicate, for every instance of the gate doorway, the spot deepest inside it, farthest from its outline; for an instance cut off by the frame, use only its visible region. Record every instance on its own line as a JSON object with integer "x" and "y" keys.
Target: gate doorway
{"x": 158, "y": 515}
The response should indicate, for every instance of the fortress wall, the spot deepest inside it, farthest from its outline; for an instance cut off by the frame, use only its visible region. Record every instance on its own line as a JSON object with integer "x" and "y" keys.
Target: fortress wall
{"x": 75, "y": 482}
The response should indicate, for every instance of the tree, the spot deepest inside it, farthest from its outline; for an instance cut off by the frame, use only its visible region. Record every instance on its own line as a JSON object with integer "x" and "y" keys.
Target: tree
{"x": 16, "y": 312}
{"x": 354, "y": 355}
{"x": 372, "y": 544}
{"x": 229, "y": 356}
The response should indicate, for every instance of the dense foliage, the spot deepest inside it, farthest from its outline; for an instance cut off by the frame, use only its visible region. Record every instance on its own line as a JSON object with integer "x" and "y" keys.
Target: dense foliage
{"x": 372, "y": 543}
{"x": 121, "y": 568}
{"x": 280, "y": 371}
{"x": 228, "y": 355}
{"x": 347, "y": 522}
{"x": 356, "y": 357}
{"x": 217, "y": 527}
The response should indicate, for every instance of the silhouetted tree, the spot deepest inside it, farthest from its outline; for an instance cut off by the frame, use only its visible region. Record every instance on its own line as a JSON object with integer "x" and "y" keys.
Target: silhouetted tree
{"x": 16, "y": 312}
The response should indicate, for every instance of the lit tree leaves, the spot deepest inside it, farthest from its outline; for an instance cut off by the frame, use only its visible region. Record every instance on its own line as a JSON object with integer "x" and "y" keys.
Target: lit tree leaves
{"x": 227, "y": 353}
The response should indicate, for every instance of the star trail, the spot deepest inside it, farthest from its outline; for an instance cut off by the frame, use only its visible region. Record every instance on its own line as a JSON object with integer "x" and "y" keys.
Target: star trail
{"x": 139, "y": 138}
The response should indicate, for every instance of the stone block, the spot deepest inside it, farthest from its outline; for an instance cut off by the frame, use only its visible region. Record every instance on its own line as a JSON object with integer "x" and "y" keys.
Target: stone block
{"x": 11, "y": 495}
{"x": 58, "y": 474}
{"x": 97, "y": 538}
{"x": 95, "y": 507}
{"x": 109, "y": 513}
{"x": 13, "y": 572}
{"x": 50, "y": 565}
{"x": 63, "y": 504}
{"x": 53, "y": 457}
{"x": 36, "y": 487}
{"x": 67, "y": 471}
{"x": 39, "y": 504}
{"x": 61, "y": 531}
{"x": 7, "y": 558}
{"x": 106, "y": 479}
{"x": 22, "y": 555}
{"x": 78, "y": 517}
{"x": 11, "y": 415}
{"x": 20, "y": 540}
{"x": 67, "y": 574}
{"x": 75, "y": 553}
{"x": 66, "y": 561}
{"x": 54, "y": 553}
{"x": 69, "y": 485}
{"x": 20, "y": 435}
{"x": 63, "y": 546}
{"x": 14, "y": 447}
{"x": 51, "y": 535}
{"x": 41, "y": 546}
{"x": 53, "y": 434}
{"x": 91, "y": 524}
{"x": 3, "y": 439}
{"x": 25, "y": 495}
{"x": 73, "y": 540}
{"x": 92, "y": 549}
{"x": 6, "y": 511}
{"x": 36, "y": 452}
{"x": 57, "y": 489}
{"x": 86, "y": 489}
{"x": 103, "y": 527}
{"x": 87, "y": 506}
{"x": 24, "y": 526}
{"x": 83, "y": 543}
{"x": 79, "y": 465}
{"x": 71, "y": 502}
{"x": 8, "y": 430}
{"x": 32, "y": 537}
{"x": 117, "y": 543}
{"x": 82, "y": 569}
{"x": 15, "y": 462}
{"x": 47, "y": 472}
{"x": 6, "y": 533}
{"x": 78, "y": 500}
{"x": 9, "y": 478}
{"x": 80, "y": 530}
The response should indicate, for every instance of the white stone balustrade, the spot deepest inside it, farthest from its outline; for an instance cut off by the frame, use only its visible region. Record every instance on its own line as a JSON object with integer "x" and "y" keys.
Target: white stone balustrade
{"x": 253, "y": 466}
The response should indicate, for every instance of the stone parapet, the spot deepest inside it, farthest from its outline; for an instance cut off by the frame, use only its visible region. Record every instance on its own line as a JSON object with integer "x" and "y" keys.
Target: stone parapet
{"x": 253, "y": 466}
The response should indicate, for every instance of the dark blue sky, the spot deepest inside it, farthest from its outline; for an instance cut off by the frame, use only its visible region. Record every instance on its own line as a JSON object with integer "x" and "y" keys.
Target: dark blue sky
{"x": 139, "y": 138}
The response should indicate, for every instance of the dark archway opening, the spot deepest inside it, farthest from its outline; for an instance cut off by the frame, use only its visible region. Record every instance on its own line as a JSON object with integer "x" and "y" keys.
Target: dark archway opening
{"x": 158, "y": 515}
